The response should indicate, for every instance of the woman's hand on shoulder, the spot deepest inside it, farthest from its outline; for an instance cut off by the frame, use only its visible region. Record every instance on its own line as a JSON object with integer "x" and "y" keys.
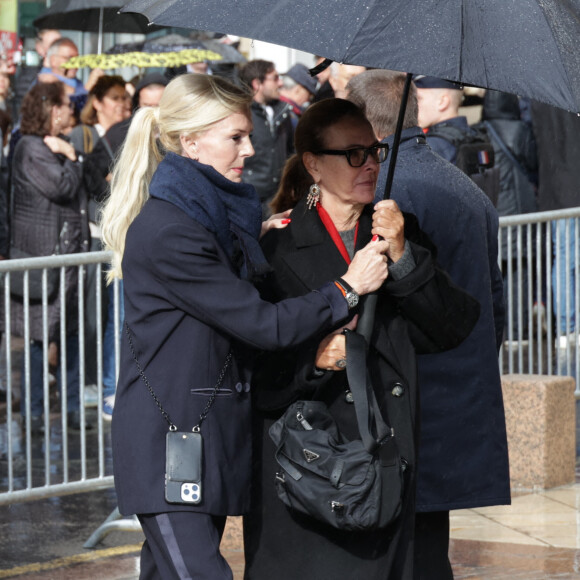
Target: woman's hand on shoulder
{"x": 368, "y": 269}
{"x": 389, "y": 224}
{"x": 277, "y": 221}
{"x": 58, "y": 145}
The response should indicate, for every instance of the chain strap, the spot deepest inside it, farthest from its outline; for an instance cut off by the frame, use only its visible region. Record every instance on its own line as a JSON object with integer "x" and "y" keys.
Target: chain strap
{"x": 172, "y": 426}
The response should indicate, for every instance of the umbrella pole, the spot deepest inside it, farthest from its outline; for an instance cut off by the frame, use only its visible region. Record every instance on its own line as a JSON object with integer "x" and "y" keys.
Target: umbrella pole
{"x": 100, "y": 38}
{"x": 397, "y": 137}
{"x": 369, "y": 302}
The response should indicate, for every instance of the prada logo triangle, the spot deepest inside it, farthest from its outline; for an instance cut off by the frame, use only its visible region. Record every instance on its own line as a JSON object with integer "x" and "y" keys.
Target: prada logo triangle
{"x": 310, "y": 456}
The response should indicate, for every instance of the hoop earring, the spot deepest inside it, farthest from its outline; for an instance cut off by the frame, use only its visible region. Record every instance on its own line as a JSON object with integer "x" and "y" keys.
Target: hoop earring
{"x": 313, "y": 196}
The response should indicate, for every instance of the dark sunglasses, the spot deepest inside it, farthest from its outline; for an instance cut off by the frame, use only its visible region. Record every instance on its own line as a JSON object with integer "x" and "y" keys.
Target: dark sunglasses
{"x": 357, "y": 156}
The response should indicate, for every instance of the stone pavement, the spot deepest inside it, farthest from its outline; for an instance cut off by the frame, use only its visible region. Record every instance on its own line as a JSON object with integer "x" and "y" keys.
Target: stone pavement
{"x": 537, "y": 537}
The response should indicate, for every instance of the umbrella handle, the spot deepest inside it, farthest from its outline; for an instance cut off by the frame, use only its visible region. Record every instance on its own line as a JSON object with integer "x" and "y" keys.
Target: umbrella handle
{"x": 369, "y": 302}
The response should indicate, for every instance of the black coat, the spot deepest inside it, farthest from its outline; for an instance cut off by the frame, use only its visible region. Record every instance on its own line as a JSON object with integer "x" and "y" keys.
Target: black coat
{"x": 557, "y": 135}
{"x": 463, "y": 456}
{"x": 506, "y": 131}
{"x": 272, "y": 147}
{"x": 47, "y": 200}
{"x": 186, "y": 308}
{"x": 420, "y": 310}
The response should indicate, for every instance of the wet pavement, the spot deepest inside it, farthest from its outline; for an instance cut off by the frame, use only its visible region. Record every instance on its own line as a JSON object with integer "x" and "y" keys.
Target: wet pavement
{"x": 538, "y": 537}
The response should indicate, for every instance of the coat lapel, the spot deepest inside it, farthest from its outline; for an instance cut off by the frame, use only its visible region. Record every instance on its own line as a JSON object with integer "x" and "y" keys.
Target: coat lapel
{"x": 316, "y": 259}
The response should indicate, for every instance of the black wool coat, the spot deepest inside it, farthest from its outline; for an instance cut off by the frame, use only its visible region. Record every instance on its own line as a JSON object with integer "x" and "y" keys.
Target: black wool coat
{"x": 422, "y": 310}
{"x": 186, "y": 308}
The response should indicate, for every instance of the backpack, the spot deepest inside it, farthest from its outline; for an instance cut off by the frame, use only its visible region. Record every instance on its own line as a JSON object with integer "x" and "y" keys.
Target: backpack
{"x": 475, "y": 156}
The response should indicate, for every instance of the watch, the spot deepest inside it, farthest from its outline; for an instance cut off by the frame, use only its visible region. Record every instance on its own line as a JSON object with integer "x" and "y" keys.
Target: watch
{"x": 351, "y": 296}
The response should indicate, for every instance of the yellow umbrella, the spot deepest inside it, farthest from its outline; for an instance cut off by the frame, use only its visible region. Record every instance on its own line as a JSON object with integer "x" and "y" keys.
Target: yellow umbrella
{"x": 142, "y": 59}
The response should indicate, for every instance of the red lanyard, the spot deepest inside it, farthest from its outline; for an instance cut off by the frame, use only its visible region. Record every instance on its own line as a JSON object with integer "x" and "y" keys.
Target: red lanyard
{"x": 333, "y": 232}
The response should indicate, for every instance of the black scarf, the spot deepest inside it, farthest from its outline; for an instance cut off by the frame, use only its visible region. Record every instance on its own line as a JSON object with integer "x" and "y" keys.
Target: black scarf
{"x": 231, "y": 211}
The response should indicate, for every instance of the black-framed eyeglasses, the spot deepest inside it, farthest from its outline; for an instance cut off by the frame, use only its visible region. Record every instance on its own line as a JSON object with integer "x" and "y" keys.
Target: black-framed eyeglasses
{"x": 357, "y": 156}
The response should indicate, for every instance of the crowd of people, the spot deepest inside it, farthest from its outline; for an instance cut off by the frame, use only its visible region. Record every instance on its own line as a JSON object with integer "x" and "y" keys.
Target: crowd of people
{"x": 246, "y": 218}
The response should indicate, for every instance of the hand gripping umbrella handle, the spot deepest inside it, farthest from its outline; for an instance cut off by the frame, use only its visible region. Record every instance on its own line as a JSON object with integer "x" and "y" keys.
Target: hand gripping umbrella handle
{"x": 369, "y": 302}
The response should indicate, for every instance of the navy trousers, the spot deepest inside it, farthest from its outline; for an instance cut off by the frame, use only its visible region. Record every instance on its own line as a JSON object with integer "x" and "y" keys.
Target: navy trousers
{"x": 183, "y": 545}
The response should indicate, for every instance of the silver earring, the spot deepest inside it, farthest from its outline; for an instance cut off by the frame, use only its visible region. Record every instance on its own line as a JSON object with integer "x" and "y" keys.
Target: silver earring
{"x": 313, "y": 196}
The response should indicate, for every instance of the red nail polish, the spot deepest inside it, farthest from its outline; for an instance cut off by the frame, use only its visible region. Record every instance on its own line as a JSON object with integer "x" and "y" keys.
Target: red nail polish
{"x": 286, "y": 221}
{"x": 375, "y": 238}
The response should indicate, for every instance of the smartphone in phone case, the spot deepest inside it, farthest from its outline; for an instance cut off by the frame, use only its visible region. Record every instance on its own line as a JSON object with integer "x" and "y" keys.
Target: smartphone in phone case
{"x": 184, "y": 452}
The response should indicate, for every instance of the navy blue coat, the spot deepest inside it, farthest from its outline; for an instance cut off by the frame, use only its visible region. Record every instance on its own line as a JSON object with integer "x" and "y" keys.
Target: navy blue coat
{"x": 463, "y": 457}
{"x": 186, "y": 307}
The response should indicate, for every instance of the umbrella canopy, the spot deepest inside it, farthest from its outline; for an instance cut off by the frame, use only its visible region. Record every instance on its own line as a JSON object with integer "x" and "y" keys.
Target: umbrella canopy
{"x": 91, "y": 16}
{"x": 176, "y": 43}
{"x": 524, "y": 47}
{"x": 143, "y": 59}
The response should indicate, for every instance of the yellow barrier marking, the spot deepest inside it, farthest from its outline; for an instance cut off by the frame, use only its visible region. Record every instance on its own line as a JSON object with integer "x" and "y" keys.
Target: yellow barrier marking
{"x": 68, "y": 560}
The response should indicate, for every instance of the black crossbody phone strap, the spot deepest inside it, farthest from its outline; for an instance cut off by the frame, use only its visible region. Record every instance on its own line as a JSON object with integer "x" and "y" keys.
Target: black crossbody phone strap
{"x": 172, "y": 426}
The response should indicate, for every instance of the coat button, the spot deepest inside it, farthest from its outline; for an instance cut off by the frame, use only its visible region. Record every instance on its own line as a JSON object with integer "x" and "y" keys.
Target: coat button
{"x": 239, "y": 387}
{"x": 246, "y": 387}
{"x": 398, "y": 390}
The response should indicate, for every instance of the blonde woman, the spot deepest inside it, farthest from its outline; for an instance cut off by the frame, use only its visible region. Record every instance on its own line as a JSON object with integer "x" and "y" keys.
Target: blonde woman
{"x": 184, "y": 230}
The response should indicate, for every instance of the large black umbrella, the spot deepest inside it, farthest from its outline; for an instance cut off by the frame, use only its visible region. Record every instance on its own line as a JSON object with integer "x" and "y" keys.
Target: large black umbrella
{"x": 524, "y": 47}
{"x": 98, "y": 16}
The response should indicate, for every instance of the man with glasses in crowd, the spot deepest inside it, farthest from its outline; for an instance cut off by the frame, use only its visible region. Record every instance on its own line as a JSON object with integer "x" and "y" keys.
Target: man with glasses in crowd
{"x": 272, "y": 137}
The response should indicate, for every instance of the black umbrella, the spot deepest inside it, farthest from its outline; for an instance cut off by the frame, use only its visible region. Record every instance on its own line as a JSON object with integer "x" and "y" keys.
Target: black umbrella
{"x": 524, "y": 47}
{"x": 92, "y": 16}
{"x": 177, "y": 43}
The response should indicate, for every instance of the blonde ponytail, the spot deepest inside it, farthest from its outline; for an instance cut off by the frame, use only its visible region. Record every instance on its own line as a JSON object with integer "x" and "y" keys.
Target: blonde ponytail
{"x": 132, "y": 174}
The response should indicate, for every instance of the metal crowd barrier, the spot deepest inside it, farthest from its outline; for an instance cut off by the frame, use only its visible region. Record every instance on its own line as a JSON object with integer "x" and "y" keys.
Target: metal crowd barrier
{"x": 59, "y": 461}
{"x": 540, "y": 264}
{"x": 36, "y": 467}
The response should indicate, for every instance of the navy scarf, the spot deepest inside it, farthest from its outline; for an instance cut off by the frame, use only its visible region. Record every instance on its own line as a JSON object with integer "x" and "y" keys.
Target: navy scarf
{"x": 231, "y": 211}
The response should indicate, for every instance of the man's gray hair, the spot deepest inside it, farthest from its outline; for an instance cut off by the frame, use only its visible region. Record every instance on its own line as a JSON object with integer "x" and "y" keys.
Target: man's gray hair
{"x": 379, "y": 93}
{"x": 64, "y": 41}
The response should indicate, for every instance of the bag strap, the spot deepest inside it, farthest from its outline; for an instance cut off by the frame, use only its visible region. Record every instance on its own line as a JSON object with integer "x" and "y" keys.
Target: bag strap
{"x": 88, "y": 141}
{"x": 365, "y": 403}
{"x": 172, "y": 426}
{"x": 503, "y": 146}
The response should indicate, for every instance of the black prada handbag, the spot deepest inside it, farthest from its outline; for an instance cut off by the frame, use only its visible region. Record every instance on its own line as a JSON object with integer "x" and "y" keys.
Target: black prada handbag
{"x": 351, "y": 485}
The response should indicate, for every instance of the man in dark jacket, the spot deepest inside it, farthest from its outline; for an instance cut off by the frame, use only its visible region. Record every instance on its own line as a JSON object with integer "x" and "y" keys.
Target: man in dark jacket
{"x": 272, "y": 137}
{"x": 463, "y": 460}
{"x": 515, "y": 156}
{"x": 449, "y": 134}
{"x": 439, "y": 101}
